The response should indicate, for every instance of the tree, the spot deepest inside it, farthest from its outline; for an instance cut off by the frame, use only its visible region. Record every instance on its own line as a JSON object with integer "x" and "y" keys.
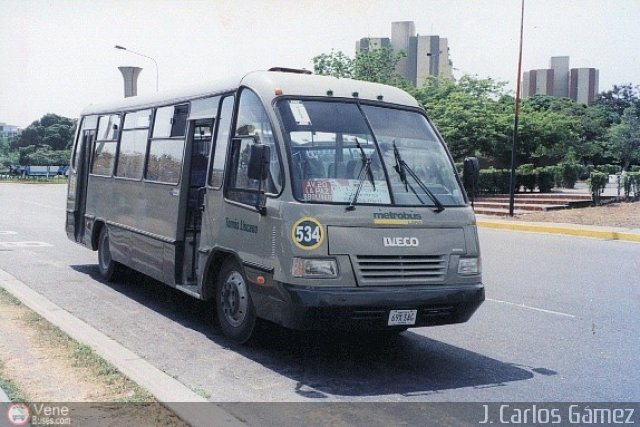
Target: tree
{"x": 335, "y": 64}
{"x": 624, "y": 138}
{"x": 468, "y": 114}
{"x": 618, "y": 99}
{"x": 52, "y": 130}
{"x": 545, "y": 134}
{"x": 588, "y": 123}
{"x": 373, "y": 65}
{"x": 378, "y": 65}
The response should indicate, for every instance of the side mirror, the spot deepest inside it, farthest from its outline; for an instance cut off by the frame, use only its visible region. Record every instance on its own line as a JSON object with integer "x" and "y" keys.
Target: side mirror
{"x": 259, "y": 158}
{"x": 470, "y": 172}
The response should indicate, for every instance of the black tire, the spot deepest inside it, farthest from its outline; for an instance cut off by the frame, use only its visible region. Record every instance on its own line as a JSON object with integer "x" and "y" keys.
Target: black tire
{"x": 107, "y": 267}
{"x": 236, "y": 314}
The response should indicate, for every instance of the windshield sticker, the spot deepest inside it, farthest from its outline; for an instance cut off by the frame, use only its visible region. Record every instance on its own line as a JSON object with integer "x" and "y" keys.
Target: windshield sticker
{"x": 300, "y": 114}
{"x": 342, "y": 190}
{"x": 399, "y": 218}
{"x": 317, "y": 190}
{"x": 307, "y": 233}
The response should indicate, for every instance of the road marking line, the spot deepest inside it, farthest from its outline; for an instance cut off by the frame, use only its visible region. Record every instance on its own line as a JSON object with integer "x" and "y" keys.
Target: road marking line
{"x": 558, "y": 313}
{"x": 25, "y": 244}
{"x": 6, "y": 232}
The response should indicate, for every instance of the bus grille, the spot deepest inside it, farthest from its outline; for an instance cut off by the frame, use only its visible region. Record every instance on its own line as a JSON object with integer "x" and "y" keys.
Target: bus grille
{"x": 392, "y": 270}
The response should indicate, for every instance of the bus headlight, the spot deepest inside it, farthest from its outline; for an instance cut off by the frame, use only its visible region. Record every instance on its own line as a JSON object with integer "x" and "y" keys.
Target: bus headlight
{"x": 313, "y": 268}
{"x": 469, "y": 266}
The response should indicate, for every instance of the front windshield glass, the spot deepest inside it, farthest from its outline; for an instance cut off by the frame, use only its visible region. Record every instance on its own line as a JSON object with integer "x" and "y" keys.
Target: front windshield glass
{"x": 330, "y": 143}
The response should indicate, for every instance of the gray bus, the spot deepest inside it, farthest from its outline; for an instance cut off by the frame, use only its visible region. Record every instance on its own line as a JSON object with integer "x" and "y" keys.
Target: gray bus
{"x": 308, "y": 201}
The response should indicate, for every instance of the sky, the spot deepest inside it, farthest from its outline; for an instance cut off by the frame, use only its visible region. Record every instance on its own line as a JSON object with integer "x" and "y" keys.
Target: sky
{"x": 58, "y": 56}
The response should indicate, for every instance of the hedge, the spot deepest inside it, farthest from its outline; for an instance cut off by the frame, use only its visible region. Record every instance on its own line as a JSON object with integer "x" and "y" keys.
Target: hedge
{"x": 597, "y": 183}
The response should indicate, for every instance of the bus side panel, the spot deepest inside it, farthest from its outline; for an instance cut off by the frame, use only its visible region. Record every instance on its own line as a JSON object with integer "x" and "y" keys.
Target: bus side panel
{"x": 141, "y": 218}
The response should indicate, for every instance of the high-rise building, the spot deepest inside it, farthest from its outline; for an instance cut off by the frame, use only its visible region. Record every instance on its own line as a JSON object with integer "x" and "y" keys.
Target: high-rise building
{"x": 537, "y": 82}
{"x": 425, "y": 55}
{"x": 584, "y": 85}
{"x": 401, "y": 35}
{"x": 579, "y": 84}
{"x": 560, "y": 67}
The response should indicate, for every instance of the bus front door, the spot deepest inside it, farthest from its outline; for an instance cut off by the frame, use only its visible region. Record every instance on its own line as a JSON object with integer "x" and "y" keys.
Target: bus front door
{"x": 200, "y": 149}
{"x": 81, "y": 176}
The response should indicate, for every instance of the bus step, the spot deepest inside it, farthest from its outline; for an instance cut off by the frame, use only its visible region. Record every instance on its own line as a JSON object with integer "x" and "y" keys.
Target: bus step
{"x": 190, "y": 289}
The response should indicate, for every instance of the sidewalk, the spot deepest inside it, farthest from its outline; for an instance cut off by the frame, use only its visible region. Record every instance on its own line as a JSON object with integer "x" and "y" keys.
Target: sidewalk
{"x": 167, "y": 390}
{"x": 607, "y": 233}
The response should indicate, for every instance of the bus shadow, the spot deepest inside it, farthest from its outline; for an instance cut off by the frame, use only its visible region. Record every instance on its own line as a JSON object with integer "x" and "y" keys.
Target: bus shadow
{"x": 325, "y": 365}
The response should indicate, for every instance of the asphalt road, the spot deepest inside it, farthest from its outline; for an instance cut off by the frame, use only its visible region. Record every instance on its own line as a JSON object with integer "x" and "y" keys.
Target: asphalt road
{"x": 560, "y": 324}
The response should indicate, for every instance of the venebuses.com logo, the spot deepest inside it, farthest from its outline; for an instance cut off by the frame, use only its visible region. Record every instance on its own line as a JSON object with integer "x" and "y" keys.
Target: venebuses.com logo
{"x": 18, "y": 414}
{"x": 38, "y": 414}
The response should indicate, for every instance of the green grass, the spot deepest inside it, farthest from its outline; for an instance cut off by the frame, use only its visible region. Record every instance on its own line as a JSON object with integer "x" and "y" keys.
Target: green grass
{"x": 7, "y": 298}
{"x": 81, "y": 356}
{"x": 9, "y": 387}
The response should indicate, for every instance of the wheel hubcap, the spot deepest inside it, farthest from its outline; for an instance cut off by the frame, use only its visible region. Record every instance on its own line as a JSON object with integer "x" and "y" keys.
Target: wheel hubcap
{"x": 234, "y": 299}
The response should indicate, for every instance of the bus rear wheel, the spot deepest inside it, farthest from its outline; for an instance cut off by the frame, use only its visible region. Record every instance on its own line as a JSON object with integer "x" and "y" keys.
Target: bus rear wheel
{"x": 106, "y": 265}
{"x": 236, "y": 314}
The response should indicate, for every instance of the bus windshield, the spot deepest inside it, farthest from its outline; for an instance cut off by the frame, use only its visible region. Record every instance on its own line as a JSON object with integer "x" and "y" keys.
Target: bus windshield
{"x": 392, "y": 159}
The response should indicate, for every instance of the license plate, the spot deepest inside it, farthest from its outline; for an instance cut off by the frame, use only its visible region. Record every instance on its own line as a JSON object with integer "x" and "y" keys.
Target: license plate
{"x": 402, "y": 317}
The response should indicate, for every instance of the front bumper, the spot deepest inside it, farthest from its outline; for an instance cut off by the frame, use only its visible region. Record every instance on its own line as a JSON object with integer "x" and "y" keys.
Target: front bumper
{"x": 313, "y": 308}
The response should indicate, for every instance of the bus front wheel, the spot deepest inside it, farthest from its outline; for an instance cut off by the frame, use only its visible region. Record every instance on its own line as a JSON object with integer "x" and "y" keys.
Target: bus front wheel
{"x": 236, "y": 314}
{"x": 106, "y": 265}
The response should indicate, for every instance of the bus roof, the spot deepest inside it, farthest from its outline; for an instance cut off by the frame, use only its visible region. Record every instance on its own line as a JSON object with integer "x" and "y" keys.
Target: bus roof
{"x": 265, "y": 83}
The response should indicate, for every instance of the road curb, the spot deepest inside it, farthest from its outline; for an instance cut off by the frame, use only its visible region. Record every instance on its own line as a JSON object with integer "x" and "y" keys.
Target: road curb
{"x": 3, "y": 397}
{"x": 559, "y": 229}
{"x": 168, "y": 391}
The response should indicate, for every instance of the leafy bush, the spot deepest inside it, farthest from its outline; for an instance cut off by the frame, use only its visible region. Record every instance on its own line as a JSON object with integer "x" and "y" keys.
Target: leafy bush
{"x": 634, "y": 168}
{"x": 495, "y": 181}
{"x": 526, "y": 177}
{"x": 597, "y": 183}
{"x": 570, "y": 173}
{"x": 545, "y": 178}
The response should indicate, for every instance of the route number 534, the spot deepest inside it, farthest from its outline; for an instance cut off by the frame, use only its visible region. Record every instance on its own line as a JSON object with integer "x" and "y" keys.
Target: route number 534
{"x": 307, "y": 234}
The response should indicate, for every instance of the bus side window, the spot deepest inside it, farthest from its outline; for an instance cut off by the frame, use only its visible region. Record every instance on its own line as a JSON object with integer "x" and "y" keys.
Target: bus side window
{"x": 133, "y": 144}
{"x": 88, "y": 123}
{"x": 166, "y": 146}
{"x": 221, "y": 142}
{"x": 104, "y": 156}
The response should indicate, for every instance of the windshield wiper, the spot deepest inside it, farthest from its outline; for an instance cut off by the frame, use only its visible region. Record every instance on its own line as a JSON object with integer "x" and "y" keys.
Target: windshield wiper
{"x": 365, "y": 171}
{"x": 402, "y": 168}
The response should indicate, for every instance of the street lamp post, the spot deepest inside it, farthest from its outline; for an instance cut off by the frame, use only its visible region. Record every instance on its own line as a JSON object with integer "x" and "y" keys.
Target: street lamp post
{"x": 145, "y": 56}
{"x": 512, "y": 180}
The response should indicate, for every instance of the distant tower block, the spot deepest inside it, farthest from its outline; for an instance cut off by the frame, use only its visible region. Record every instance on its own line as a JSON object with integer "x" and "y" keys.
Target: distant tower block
{"x": 130, "y": 76}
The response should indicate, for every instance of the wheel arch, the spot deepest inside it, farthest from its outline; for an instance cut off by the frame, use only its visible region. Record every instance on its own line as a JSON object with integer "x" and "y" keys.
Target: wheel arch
{"x": 216, "y": 260}
{"x": 98, "y": 225}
